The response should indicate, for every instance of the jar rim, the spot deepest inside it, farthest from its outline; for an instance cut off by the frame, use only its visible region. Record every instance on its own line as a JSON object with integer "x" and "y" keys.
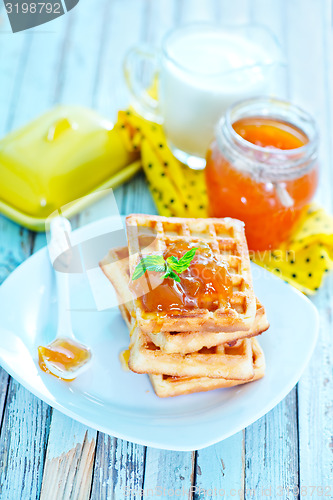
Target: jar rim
{"x": 305, "y": 150}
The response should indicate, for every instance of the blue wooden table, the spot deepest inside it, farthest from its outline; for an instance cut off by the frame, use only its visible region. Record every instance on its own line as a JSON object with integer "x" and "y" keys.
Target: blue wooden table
{"x": 44, "y": 454}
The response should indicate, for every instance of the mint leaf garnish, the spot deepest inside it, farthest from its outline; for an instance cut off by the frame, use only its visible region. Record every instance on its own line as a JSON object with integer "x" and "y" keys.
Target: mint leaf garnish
{"x": 171, "y": 274}
{"x": 171, "y": 266}
{"x": 183, "y": 263}
{"x": 149, "y": 263}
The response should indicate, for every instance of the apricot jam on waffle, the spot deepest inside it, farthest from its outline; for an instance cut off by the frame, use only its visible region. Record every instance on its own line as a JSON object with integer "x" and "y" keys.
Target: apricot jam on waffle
{"x": 214, "y": 294}
{"x": 172, "y": 342}
{"x": 205, "y": 284}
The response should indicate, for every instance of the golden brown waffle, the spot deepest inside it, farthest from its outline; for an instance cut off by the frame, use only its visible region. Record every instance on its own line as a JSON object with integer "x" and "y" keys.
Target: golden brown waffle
{"x": 226, "y": 239}
{"x": 167, "y": 386}
{"x": 185, "y": 342}
{"x": 221, "y": 361}
{"x": 115, "y": 267}
{"x": 193, "y": 384}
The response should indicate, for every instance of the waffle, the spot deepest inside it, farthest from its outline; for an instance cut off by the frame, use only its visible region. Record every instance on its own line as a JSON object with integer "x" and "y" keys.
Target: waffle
{"x": 230, "y": 362}
{"x": 115, "y": 267}
{"x": 173, "y": 385}
{"x": 167, "y": 386}
{"x": 226, "y": 239}
{"x": 185, "y": 342}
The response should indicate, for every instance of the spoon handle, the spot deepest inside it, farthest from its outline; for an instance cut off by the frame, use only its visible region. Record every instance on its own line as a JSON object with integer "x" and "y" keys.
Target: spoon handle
{"x": 60, "y": 256}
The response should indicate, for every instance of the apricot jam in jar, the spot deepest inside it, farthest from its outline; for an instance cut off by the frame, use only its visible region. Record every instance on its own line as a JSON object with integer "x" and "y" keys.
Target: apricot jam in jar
{"x": 262, "y": 168}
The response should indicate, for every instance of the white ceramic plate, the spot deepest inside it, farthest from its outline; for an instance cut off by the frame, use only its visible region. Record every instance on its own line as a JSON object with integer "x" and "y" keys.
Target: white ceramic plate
{"x": 121, "y": 403}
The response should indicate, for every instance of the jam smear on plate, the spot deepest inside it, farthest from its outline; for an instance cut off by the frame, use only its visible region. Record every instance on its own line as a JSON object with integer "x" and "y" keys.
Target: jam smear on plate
{"x": 67, "y": 355}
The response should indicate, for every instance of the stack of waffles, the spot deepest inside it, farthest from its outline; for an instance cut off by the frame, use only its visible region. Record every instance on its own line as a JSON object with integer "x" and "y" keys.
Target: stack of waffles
{"x": 197, "y": 343}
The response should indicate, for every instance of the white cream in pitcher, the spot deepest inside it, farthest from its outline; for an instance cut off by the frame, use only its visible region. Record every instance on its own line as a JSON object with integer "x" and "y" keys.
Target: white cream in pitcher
{"x": 205, "y": 71}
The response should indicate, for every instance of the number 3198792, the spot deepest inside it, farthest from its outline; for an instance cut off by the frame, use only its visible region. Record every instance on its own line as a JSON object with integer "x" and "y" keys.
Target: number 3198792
{"x": 33, "y": 8}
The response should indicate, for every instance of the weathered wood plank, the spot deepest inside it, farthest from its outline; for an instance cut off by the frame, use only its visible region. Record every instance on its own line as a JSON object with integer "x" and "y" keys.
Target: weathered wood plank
{"x": 70, "y": 472}
{"x": 4, "y": 379}
{"x": 122, "y": 28}
{"x": 232, "y": 13}
{"x": 168, "y": 474}
{"x": 101, "y": 91}
{"x": 15, "y": 246}
{"x": 312, "y": 84}
{"x": 309, "y": 76}
{"x": 119, "y": 469}
{"x": 22, "y": 444}
{"x": 81, "y": 66}
{"x": 13, "y": 54}
{"x": 198, "y": 10}
{"x": 209, "y": 473}
{"x": 81, "y": 60}
{"x": 161, "y": 19}
{"x": 271, "y": 14}
{"x": 220, "y": 469}
{"x": 137, "y": 197}
{"x": 41, "y": 65}
{"x": 69, "y": 460}
{"x": 315, "y": 388}
{"x": 125, "y": 28}
{"x": 271, "y": 447}
{"x": 315, "y": 400}
{"x": 272, "y": 443}
{"x": 119, "y": 465}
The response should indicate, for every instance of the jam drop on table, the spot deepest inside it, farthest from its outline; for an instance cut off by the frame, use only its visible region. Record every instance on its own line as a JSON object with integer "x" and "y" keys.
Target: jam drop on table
{"x": 65, "y": 354}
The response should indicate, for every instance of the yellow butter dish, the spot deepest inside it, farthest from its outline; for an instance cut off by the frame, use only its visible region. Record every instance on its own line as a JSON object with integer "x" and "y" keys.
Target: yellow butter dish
{"x": 58, "y": 158}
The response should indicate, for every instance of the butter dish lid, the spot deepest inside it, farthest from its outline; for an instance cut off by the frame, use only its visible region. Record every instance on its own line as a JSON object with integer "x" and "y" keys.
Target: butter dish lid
{"x": 58, "y": 158}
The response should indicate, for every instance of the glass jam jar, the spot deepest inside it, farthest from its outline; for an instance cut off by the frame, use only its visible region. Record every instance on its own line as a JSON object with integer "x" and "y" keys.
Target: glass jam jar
{"x": 262, "y": 168}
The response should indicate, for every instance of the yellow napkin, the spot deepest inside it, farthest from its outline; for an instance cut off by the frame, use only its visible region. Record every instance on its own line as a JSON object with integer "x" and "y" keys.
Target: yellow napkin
{"x": 176, "y": 189}
{"x": 180, "y": 191}
{"x": 304, "y": 260}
